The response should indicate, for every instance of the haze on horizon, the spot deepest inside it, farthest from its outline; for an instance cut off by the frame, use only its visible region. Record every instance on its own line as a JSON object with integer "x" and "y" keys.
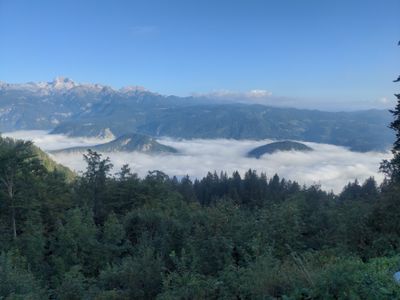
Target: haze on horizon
{"x": 336, "y": 55}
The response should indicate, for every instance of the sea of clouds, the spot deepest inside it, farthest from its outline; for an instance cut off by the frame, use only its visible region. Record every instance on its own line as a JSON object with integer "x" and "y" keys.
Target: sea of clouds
{"x": 329, "y": 166}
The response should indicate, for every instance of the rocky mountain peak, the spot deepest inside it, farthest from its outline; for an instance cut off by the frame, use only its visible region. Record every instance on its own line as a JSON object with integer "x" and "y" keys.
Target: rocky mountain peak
{"x": 62, "y": 83}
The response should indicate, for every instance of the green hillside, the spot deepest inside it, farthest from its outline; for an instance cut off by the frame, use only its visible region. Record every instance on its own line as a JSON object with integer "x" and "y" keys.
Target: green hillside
{"x": 7, "y": 144}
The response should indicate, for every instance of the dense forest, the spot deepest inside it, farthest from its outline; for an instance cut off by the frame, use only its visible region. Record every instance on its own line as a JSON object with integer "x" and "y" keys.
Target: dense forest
{"x": 102, "y": 235}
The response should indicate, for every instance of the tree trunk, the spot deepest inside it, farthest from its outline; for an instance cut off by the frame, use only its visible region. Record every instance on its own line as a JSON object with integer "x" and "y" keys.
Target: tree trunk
{"x": 13, "y": 222}
{"x": 14, "y": 225}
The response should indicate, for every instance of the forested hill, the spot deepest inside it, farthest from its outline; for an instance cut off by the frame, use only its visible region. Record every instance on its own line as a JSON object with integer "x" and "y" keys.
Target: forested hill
{"x": 221, "y": 237}
{"x": 125, "y": 143}
{"x": 278, "y": 146}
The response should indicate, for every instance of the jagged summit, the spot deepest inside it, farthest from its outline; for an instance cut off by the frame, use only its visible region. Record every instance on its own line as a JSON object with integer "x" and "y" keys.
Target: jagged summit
{"x": 62, "y": 84}
{"x": 132, "y": 89}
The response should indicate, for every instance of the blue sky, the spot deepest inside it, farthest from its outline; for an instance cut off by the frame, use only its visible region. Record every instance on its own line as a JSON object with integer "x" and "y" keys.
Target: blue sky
{"x": 326, "y": 53}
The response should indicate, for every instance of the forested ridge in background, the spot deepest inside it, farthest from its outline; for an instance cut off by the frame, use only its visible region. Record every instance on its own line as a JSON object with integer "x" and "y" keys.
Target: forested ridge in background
{"x": 98, "y": 236}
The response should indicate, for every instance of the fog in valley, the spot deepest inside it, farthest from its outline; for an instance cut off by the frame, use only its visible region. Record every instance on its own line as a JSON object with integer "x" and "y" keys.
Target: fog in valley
{"x": 330, "y": 166}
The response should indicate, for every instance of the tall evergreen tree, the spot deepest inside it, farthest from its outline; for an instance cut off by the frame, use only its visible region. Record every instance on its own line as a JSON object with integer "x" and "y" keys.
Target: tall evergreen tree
{"x": 16, "y": 163}
{"x": 392, "y": 167}
{"x": 94, "y": 180}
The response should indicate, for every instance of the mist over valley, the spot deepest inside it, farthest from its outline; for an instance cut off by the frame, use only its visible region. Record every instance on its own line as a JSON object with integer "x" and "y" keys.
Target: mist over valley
{"x": 329, "y": 166}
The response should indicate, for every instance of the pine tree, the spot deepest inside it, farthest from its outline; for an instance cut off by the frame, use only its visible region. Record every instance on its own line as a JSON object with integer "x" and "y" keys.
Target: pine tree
{"x": 94, "y": 179}
{"x": 392, "y": 167}
{"x": 17, "y": 161}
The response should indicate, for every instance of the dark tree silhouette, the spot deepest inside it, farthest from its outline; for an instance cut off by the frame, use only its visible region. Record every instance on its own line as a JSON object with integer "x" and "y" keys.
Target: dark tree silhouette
{"x": 392, "y": 167}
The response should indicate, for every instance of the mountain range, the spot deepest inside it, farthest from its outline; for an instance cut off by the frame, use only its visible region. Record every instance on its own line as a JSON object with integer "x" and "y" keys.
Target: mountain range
{"x": 66, "y": 107}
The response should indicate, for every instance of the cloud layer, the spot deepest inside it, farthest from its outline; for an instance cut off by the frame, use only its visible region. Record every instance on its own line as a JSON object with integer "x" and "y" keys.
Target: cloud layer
{"x": 330, "y": 166}
{"x": 50, "y": 142}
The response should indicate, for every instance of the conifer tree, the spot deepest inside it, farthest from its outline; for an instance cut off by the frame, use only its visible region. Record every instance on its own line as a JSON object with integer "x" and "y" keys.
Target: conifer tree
{"x": 94, "y": 180}
{"x": 392, "y": 167}
{"x": 16, "y": 162}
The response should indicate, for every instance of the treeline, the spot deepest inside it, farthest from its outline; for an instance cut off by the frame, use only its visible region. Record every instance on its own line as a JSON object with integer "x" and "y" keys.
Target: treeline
{"x": 98, "y": 236}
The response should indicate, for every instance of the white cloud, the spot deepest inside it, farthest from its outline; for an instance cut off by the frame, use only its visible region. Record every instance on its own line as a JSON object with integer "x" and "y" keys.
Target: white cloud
{"x": 259, "y": 93}
{"x": 330, "y": 166}
{"x": 228, "y": 95}
{"x": 383, "y": 100}
{"x": 254, "y": 96}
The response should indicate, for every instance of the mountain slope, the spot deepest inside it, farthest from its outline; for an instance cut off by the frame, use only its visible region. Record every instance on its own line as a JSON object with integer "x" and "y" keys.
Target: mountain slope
{"x": 127, "y": 143}
{"x": 359, "y": 131}
{"x": 48, "y": 163}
